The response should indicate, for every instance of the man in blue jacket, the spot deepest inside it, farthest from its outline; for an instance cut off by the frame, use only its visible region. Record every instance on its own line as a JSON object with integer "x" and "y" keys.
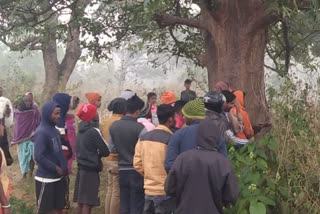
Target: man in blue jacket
{"x": 185, "y": 139}
{"x": 52, "y": 167}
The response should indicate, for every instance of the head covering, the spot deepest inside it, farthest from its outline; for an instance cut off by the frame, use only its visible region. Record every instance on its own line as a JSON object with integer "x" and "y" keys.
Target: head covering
{"x": 127, "y": 94}
{"x": 92, "y": 97}
{"x": 118, "y": 106}
{"x": 146, "y": 111}
{"x": 168, "y": 97}
{"x": 86, "y": 112}
{"x": 22, "y": 106}
{"x": 47, "y": 110}
{"x": 194, "y": 109}
{"x": 240, "y": 97}
{"x": 63, "y": 100}
{"x": 221, "y": 86}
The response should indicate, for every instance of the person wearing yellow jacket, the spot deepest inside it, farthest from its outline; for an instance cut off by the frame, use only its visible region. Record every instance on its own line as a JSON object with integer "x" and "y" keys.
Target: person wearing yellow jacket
{"x": 149, "y": 159}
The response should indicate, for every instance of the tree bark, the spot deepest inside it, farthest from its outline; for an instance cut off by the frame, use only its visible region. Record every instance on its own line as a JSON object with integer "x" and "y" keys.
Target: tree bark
{"x": 234, "y": 52}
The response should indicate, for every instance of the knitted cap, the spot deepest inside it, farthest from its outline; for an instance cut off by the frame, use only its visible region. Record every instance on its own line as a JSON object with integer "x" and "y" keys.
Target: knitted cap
{"x": 86, "y": 112}
{"x": 194, "y": 109}
{"x": 92, "y": 97}
{"x": 168, "y": 97}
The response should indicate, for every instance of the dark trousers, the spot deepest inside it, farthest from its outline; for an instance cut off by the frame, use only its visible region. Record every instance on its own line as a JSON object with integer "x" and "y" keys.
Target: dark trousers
{"x": 159, "y": 206}
{"x": 131, "y": 192}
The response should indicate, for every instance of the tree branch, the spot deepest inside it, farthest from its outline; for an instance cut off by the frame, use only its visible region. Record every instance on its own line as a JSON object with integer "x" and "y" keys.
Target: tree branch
{"x": 165, "y": 20}
{"x": 264, "y": 22}
{"x": 32, "y": 42}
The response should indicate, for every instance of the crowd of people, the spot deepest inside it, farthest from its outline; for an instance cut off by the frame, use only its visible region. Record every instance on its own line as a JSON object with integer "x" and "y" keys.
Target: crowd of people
{"x": 159, "y": 159}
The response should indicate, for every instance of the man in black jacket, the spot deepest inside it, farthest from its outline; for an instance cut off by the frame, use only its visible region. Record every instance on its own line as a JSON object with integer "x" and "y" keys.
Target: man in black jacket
{"x": 90, "y": 147}
{"x": 123, "y": 137}
{"x": 203, "y": 180}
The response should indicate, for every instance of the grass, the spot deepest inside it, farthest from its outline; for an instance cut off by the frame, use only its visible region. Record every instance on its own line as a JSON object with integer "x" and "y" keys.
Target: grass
{"x": 26, "y": 189}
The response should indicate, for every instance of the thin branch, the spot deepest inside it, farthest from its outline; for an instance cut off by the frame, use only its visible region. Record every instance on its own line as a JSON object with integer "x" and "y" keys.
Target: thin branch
{"x": 32, "y": 42}
{"x": 288, "y": 48}
{"x": 165, "y": 20}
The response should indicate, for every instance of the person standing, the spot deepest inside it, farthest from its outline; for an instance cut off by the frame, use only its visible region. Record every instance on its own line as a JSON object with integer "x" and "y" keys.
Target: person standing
{"x": 26, "y": 120}
{"x": 152, "y": 100}
{"x": 6, "y": 121}
{"x": 188, "y": 95}
{"x": 185, "y": 139}
{"x": 202, "y": 179}
{"x": 90, "y": 148}
{"x": 71, "y": 131}
{"x": 131, "y": 182}
{"x": 167, "y": 97}
{"x": 112, "y": 203}
{"x": 51, "y": 186}
{"x": 148, "y": 161}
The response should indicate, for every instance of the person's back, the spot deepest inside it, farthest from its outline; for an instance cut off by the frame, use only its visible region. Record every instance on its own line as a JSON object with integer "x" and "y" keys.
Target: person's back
{"x": 202, "y": 181}
{"x": 124, "y": 135}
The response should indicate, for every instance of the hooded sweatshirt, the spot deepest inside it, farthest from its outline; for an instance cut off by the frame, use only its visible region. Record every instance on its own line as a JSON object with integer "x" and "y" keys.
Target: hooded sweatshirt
{"x": 202, "y": 180}
{"x": 90, "y": 147}
{"x": 245, "y": 117}
{"x": 47, "y": 145}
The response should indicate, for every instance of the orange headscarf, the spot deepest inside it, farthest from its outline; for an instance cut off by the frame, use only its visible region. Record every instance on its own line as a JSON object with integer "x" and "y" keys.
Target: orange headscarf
{"x": 168, "y": 97}
{"x": 245, "y": 117}
{"x": 92, "y": 97}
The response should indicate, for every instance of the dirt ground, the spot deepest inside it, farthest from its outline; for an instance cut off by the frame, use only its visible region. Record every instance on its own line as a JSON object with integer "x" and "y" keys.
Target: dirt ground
{"x": 26, "y": 189}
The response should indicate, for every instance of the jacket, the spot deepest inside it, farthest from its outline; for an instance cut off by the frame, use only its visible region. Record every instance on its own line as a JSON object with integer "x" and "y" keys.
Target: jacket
{"x": 47, "y": 145}
{"x": 245, "y": 117}
{"x": 105, "y": 133}
{"x": 123, "y": 137}
{"x": 149, "y": 157}
{"x": 202, "y": 180}
{"x": 90, "y": 147}
{"x": 181, "y": 141}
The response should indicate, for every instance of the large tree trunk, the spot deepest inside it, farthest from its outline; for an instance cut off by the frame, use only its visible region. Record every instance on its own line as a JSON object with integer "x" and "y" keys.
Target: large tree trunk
{"x": 234, "y": 52}
{"x": 58, "y": 74}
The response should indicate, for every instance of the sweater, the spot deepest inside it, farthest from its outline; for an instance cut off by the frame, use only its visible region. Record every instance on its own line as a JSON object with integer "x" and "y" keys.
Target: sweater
{"x": 123, "y": 137}
{"x": 105, "y": 133}
{"x": 90, "y": 147}
{"x": 47, "y": 145}
{"x": 149, "y": 156}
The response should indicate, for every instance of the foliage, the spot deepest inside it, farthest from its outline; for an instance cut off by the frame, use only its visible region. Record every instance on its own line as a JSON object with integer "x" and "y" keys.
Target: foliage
{"x": 19, "y": 206}
{"x": 278, "y": 175}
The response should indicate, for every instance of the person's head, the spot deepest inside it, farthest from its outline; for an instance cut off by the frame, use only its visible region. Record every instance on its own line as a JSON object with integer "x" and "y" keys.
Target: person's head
{"x": 87, "y": 112}
{"x": 178, "y": 106}
{"x": 193, "y": 110}
{"x": 63, "y": 100}
{"x": 152, "y": 98}
{"x": 134, "y": 106}
{"x": 168, "y": 97}
{"x": 221, "y": 86}
{"x": 166, "y": 115}
{"x": 94, "y": 99}
{"x": 187, "y": 84}
{"x": 31, "y": 95}
{"x": 27, "y": 102}
{"x": 146, "y": 111}
{"x": 230, "y": 98}
{"x": 74, "y": 102}
{"x": 50, "y": 113}
{"x": 240, "y": 96}
{"x": 213, "y": 101}
{"x": 118, "y": 106}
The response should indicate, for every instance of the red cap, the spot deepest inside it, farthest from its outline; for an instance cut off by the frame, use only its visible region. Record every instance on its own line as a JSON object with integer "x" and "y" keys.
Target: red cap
{"x": 86, "y": 112}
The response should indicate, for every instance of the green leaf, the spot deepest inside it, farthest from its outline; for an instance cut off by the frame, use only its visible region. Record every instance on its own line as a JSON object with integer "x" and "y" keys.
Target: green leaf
{"x": 266, "y": 200}
{"x": 257, "y": 208}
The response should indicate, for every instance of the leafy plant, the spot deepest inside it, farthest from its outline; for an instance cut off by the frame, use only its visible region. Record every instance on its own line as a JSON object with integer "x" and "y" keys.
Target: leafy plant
{"x": 19, "y": 206}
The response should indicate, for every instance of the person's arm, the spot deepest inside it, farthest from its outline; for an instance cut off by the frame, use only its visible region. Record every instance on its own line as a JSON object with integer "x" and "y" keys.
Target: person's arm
{"x": 172, "y": 151}
{"x": 228, "y": 135}
{"x": 143, "y": 131}
{"x": 40, "y": 147}
{"x": 248, "y": 130}
{"x": 111, "y": 145}
{"x": 137, "y": 159}
{"x": 171, "y": 183}
{"x": 101, "y": 144}
{"x": 230, "y": 189}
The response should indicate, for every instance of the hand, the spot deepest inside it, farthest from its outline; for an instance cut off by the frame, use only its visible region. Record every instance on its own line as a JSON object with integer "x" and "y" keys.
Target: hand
{"x": 59, "y": 171}
{"x": 6, "y": 210}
